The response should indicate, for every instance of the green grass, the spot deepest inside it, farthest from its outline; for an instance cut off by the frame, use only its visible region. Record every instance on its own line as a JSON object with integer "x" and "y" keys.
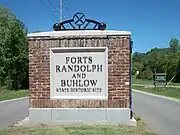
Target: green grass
{"x": 6, "y": 95}
{"x": 148, "y": 82}
{"x": 169, "y": 92}
{"x": 145, "y": 82}
{"x": 141, "y": 81}
{"x": 175, "y": 84}
{"x": 141, "y": 129}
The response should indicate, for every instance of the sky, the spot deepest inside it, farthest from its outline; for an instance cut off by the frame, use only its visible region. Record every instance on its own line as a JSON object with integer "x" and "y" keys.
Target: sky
{"x": 152, "y": 23}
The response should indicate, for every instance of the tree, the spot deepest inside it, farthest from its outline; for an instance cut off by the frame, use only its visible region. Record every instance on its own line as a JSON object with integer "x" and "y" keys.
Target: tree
{"x": 137, "y": 66}
{"x": 138, "y": 57}
{"x": 174, "y": 45}
{"x": 177, "y": 78}
{"x": 160, "y": 60}
{"x": 13, "y": 51}
{"x": 147, "y": 74}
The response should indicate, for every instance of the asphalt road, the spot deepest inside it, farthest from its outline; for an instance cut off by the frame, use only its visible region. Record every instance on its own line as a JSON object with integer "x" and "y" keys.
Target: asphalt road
{"x": 161, "y": 115}
{"x": 11, "y": 112}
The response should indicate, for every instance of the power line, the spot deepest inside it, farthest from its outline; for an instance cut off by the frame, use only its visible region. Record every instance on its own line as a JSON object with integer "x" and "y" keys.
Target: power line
{"x": 60, "y": 11}
{"x": 53, "y": 6}
{"x": 47, "y": 8}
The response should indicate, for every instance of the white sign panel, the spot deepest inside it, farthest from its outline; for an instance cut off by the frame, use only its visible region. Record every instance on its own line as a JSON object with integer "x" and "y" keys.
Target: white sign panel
{"x": 137, "y": 72}
{"x": 79, "y": 73}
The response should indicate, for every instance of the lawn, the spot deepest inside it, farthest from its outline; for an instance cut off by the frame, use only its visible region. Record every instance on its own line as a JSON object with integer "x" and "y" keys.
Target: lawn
{"x": 6, "y": 95}
{"x": 141, "y": 81}
{"x": 141, "y": 129}
{"x": 148, "y": 82}
{"x": 175, "y": 84}
{"x": 169, "y": 92}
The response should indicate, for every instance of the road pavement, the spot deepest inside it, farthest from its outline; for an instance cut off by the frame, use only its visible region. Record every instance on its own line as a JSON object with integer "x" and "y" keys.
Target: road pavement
{"x": 161, "y": 115}
{"x": 13, "y": 111}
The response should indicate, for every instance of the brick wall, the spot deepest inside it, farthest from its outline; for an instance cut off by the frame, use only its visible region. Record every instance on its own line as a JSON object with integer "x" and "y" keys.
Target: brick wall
{"x": 118, "y": 71}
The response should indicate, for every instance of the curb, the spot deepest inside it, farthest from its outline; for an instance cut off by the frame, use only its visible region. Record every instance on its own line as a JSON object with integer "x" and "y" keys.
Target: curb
{"x": 5, "y": 101}
{"x": 159, "y": 96}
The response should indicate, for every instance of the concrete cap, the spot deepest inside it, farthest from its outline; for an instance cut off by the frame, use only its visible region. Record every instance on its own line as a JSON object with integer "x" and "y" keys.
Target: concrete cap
{"x": 79, "y": 33}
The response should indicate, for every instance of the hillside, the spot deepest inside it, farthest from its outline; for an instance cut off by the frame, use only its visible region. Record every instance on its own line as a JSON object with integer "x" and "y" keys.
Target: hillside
{"x": 158, "y": 60}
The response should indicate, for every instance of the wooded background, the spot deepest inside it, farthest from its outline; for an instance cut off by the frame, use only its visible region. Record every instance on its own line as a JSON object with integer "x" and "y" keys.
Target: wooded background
{"x": 13, "y": 52}
{"x": 158, "y": 60}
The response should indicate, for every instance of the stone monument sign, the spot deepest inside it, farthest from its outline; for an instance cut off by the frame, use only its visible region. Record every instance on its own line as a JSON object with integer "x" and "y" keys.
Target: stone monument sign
{"x": 80, "y": 74}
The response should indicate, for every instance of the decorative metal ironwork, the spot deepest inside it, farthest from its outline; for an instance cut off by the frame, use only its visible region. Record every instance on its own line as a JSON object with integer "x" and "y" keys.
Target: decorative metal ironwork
{"x": 79, "y": 22}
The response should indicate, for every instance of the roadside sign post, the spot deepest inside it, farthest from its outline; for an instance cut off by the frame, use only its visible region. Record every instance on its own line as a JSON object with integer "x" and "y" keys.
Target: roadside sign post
{"x": 160, "y": 79}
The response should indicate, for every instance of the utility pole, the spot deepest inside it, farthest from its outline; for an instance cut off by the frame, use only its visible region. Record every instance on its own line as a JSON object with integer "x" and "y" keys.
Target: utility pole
{"x": 61, "y": 10}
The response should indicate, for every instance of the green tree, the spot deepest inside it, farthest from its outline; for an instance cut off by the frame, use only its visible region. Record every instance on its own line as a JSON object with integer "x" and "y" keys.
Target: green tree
{"x": 138, "y": 57}
{"x": 158, "y": 59}
{"x": 137, "y": 66}
{"x": 13, "y": 51}
{"x": 177, "y": 78}
{"x": 174, "y": 45}
{"x": 147, "y": 74}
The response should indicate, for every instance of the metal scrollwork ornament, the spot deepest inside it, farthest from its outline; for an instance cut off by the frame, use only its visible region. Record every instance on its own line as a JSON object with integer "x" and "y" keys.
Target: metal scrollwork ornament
{"x": 79, "y": 22}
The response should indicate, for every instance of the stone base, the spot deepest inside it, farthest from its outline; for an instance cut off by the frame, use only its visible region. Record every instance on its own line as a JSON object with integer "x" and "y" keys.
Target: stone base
{"x": 80, "y": 115}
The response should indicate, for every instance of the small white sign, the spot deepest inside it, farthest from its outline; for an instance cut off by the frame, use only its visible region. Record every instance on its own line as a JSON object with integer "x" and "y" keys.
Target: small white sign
{"x": 137, "y": 72}
{"x": 79, "y": 73}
